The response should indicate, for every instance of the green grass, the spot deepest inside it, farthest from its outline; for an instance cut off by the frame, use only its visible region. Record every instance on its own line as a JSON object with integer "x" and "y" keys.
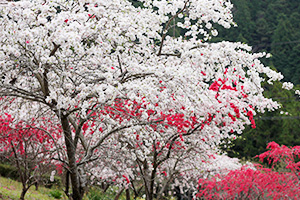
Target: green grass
{"x": 11, "y": 190}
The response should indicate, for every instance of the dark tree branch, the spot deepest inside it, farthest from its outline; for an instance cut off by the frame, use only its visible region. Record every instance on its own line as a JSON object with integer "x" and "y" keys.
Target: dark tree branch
{"x": 54, "y": 49}
{"x": 135, "y": 76}
{"x": 167, "y": 26}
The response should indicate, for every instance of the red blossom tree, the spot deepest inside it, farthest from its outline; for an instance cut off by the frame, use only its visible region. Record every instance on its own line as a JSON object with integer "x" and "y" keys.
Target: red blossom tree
{"x": 258, "y": 182}
{"x": 29, "y": 147}
{"x": 277, "y": 155}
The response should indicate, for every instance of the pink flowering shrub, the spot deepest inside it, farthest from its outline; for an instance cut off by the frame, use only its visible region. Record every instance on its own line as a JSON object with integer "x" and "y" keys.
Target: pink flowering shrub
{"x": 282, "y": 154}
{"x": 258, "y": 183}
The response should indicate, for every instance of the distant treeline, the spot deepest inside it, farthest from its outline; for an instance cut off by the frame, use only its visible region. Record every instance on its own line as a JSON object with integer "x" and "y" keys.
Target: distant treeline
{"x": 272, "y": 26}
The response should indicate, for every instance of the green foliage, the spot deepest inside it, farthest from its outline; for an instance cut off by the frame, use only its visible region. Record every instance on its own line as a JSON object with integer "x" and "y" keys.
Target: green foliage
{"x": 57, "y": 194}
{"x": 9, "y": 171}
{"x": 272, "y": 26}
{"x": 136, "y": 3}
{"x": 96, "y": 193}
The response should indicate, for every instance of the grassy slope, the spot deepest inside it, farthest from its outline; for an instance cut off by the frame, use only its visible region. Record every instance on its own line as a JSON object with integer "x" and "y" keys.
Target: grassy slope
{"x": 11, "y": 190}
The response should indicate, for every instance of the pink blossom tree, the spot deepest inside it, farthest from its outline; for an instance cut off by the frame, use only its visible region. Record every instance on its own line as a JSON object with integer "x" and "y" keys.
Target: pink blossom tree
{"x": 107, "y": 74}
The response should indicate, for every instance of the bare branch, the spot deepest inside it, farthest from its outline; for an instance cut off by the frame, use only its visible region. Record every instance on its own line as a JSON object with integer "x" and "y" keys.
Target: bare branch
{"x": 167, "y": 26}
{"x": 100, "y": 141}
{"x": 136, "y": 76}
{"x": 54, "y": 49}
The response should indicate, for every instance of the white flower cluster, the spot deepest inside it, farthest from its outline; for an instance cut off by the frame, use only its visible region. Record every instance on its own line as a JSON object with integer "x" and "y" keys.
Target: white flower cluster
{"x": 287, "y": 85}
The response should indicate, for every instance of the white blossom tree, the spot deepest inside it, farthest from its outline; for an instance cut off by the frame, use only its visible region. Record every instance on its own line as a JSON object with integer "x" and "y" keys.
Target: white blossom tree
{"x": 155, "y": 176}
{"x": 109, "y": 75}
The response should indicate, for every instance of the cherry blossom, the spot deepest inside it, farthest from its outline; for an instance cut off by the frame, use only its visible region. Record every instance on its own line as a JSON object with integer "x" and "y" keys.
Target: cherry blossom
{"x": 108, "y": 76}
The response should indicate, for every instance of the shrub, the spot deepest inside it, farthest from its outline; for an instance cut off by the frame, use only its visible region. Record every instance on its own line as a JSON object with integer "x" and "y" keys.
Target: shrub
{"x": 250, "y": 184}
{"x": 95, "y": 194}
{"x": 9, "y": 171}
{"x": 264, "y": 183}
{"x": 56, "y": 194}
{"x": 48, "y": 184}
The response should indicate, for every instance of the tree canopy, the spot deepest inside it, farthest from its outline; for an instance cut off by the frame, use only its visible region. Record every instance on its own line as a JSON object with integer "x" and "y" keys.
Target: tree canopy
{"x": 113, "y": 83}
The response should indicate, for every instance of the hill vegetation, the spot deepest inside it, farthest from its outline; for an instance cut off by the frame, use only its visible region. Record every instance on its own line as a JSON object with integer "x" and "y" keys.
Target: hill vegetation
{"x": 272, "y": 26}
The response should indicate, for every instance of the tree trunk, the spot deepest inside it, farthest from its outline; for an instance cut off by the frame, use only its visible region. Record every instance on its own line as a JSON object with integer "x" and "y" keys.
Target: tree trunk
{"x": 149, "y": 188}
{"x": 149, "y": 196}
{"x": 127, "y": 194}
{"x": 24, "y": 190}
{"x": 105, "y": 188}
{"x": 149, "y": 182}
{"x": 119, "y": 194}
{"x": 151, "y": 185}
{"x": 36, "y": 186}
{"x": 77, "y": 193}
